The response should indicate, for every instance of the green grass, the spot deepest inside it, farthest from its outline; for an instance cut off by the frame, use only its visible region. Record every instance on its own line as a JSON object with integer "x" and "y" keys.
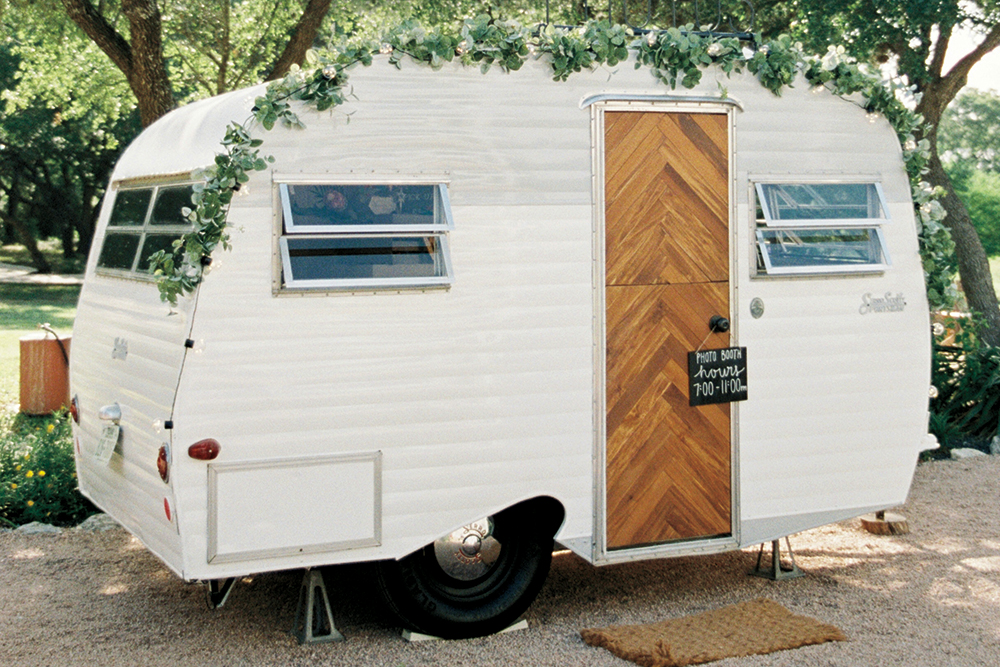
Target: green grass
{"x": 52, "y": 249}
{"x": 37, "y": 477}
{"x": 22, "y": 308}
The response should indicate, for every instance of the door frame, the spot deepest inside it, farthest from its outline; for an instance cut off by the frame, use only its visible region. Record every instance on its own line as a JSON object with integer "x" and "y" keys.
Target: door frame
{"x": 662, "y": 104}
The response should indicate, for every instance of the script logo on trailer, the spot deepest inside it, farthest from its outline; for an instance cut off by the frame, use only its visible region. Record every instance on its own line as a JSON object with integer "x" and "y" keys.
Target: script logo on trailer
{"x": 120, "y": 350}
{"x": 886, "y": 304}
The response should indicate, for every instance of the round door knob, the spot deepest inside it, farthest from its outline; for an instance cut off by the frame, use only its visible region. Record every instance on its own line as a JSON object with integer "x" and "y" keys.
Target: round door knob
{"x": 718, "y": 324}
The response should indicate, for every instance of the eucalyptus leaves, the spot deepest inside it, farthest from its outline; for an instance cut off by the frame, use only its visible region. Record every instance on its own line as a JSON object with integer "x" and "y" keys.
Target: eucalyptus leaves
{"x": 180, "y": 272}
{"x": 676, "y": 57}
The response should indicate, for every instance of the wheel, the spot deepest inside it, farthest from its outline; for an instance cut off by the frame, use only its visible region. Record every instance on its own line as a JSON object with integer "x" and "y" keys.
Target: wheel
{"x": 474, "y": 582}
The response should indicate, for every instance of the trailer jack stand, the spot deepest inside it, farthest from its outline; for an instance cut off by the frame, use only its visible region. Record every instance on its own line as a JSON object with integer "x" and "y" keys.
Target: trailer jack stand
{"x": 313, "y": 617}
{"x": 777, "y": 571}
{"x": 218, "y": 592}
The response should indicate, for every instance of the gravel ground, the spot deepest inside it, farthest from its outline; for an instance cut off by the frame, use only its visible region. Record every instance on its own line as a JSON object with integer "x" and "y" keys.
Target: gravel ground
{"x": 928, "y": 598}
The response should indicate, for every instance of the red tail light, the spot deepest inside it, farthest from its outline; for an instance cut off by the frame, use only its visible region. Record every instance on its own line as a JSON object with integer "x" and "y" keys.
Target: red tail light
{"x": 163, "y": 463}
{"x": 74, "y": 409}
{"x": 204, "y": 450}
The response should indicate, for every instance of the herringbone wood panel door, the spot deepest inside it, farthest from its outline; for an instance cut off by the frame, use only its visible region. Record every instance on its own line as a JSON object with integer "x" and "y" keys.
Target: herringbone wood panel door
{"x": 667, "y": 273}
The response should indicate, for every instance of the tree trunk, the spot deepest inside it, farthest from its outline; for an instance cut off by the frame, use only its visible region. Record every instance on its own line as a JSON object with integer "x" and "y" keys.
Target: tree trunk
{"x": 148, "y": 78}
{"x": 302, "y": 38}
{"x": 27, "y": 239}
{"x": 141, "y": 60}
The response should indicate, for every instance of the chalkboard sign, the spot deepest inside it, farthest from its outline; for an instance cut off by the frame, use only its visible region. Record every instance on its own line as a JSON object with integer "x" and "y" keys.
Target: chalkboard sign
{"x": 717, "y": 376}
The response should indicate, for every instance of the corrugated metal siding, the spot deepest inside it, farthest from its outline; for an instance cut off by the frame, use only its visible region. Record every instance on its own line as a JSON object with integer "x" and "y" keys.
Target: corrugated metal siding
{"x": 128, "y": 486}
{"x": 478, "y": 396}
{"x": 838, "y": 399}
{"x": 483, "y": 394}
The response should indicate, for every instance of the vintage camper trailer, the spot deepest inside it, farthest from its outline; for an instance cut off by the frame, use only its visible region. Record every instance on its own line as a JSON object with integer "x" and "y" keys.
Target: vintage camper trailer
{"x": 465, "y": 315}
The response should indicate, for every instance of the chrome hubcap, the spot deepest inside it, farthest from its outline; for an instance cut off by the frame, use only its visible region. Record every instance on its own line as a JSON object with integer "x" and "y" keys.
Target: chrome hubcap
{"x": 469, "y": 552}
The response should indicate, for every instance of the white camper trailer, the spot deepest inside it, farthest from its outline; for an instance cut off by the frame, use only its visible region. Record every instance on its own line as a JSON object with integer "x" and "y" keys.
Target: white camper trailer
{"x": 464, "y": 315}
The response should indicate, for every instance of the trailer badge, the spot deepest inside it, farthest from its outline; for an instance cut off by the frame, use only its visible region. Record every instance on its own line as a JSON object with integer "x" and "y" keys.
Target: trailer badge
{"x": 882, "y": 304}
{"x": 717, "y": 376}
{"x": 120, "y": 350}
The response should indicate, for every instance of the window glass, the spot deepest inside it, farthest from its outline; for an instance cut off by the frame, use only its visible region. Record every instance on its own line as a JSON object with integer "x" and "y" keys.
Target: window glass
{"x": 816, "y": 228}
{"x": 365, "y": 258}
{"x": 820, "y": 201}
{"x": 130, "y": 208}
{"x": 152, "y": 244}
{"x": 820, "y": 248}
{"x": 118, "y": 251}
{"x": 347, "y": 236}
{"x": 309, "y": 208}
{"x": 136, "y": 228}
{"x": 169, "y": 202}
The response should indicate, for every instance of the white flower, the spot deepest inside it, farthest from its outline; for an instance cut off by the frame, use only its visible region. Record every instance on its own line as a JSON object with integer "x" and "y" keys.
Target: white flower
{"x": 765, "y": 49}
{"x": 385, "y": 48}
{"x": 190, "y": 268}
{"x": 651, "y": 38}
{"x": 834, "y": 56}
{"x": 330, "y": 72}
{"x": 714, "y": 49}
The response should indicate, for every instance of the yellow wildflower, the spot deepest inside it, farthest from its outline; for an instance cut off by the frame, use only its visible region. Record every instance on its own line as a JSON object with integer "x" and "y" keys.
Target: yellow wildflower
{"x": 30, "y": 503}
{"x": 50, "y": 428}
{"x": 17, "y": 467}
{"x": 30, "y": 473}
{"x": 13, "y": 485}
{"x": 41, "y": 473}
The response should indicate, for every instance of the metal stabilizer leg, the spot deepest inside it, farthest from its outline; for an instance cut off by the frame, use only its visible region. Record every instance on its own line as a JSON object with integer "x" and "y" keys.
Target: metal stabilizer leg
{"x": 218, "y": 592}
{"x": 777, "y": 571}
{"x": 313, "y": 617}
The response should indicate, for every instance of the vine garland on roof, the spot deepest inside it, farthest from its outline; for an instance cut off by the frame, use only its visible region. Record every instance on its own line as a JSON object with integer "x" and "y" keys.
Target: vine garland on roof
{"x": 674, "y": 56}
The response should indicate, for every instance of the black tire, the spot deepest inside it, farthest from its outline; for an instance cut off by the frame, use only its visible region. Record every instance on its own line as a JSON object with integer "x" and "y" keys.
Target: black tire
{"x": 429, "y": 600}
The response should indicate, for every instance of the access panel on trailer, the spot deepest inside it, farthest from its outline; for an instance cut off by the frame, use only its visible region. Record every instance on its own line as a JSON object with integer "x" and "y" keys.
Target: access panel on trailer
{"x": 666, "y": 275}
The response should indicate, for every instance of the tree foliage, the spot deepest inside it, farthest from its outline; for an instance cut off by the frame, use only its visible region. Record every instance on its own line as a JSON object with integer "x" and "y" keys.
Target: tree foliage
{"x": 77, "y": 75}
{"x": 193, "y": 45}
{"x": 62, "y": 125}
{"x": 970, "y": 131}
{"x": 969, "y": 141}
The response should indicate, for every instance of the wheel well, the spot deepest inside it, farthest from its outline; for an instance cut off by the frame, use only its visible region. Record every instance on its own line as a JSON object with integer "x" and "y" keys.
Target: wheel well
{"x": 544, "y": 512}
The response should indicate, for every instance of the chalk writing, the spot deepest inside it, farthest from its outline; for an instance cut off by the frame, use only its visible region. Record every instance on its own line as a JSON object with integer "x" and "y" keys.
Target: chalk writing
{"x": 717, "y": 376}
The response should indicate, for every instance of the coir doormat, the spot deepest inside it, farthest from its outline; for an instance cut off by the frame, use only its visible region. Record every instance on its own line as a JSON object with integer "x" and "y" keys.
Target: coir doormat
{"x": 747, "y": 628}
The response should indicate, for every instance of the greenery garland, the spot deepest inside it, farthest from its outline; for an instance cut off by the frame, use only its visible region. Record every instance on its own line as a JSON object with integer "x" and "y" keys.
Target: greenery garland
{"x": 675, "y": 57}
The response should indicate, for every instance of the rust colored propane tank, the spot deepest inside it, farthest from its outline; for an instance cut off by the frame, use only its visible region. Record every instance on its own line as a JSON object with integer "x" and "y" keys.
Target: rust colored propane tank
{"x": 44, "y": 374}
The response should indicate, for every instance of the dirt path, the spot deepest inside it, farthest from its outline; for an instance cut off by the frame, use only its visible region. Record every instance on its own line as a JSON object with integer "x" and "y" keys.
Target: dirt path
{"x": 929, "y": 598}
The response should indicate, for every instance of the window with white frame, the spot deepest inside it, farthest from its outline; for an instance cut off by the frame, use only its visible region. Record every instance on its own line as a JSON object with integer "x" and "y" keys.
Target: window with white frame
{"x": 143, "y": 221}
{"x": 364, "y": 235}
{"x": 807, "y": 228}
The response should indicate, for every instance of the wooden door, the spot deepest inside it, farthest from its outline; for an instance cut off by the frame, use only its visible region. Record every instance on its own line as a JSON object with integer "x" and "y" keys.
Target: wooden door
{"x": 667, "y": 273}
